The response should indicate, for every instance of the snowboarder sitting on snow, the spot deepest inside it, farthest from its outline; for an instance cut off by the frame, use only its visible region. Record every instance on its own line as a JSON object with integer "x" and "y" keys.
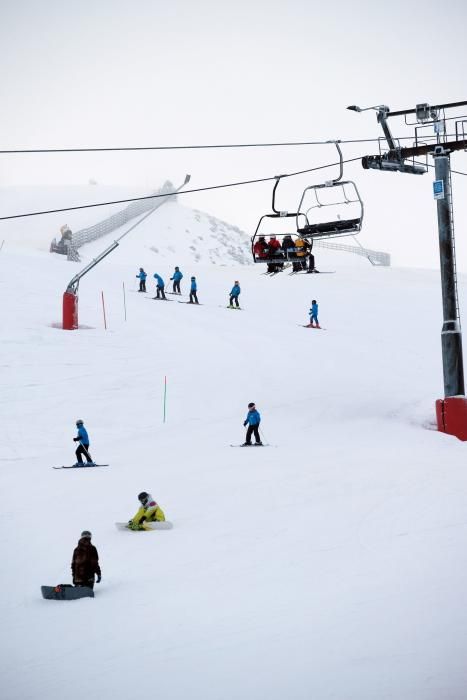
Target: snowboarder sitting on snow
{"x": 314, "y": 314}
{"x": 253, "y": 420}
{"x": 177, "y": 276}
{"x": 234, "y": 294}
{"x": 83, "y": 447}
{"x": 149, "y": 512}
{"x": 193, "y": 290}
{"x": 142, "y": 280}
{"x": 159, "y": 287}
{"x": 85, "y": 562}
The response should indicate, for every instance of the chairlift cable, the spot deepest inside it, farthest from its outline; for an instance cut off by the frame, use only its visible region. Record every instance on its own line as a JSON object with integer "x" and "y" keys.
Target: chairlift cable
{"x": 170, "y": 194}
{"x": 194, "y": 146}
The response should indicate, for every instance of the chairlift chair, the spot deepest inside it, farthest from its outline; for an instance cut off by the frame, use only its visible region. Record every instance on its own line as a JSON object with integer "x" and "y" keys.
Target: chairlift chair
{"x": 344, "y": 194}
{"x": 263, "y": 231}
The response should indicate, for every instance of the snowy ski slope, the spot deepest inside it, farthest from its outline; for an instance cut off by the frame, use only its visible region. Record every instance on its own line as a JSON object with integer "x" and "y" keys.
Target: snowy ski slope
{"x": 330, "y": 565}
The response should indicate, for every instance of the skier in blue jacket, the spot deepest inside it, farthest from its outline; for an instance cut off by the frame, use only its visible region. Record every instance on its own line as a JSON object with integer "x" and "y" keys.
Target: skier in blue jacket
{"x": 142, "y": 280}
{"x": 177, "y": 276}
{"x": 234, "y": 294}
{"x": 83, "y": 447}
{"x": 193, "y": 290}
{"x": 160, "y": 294}
{"x": 253, "y": 419}
{"x": 313, "y": 312}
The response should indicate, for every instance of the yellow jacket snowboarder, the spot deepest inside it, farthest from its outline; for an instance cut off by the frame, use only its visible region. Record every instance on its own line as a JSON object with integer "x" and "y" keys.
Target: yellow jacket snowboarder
{"x": 148, "y": 512}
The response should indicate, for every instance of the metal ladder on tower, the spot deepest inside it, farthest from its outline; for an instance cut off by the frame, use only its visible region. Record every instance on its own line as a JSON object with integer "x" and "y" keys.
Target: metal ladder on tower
{"x": 451, "y": 214}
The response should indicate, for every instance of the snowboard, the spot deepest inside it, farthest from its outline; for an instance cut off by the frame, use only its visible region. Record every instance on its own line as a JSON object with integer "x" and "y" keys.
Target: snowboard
{"x": 83, "y": 466}
{"x": 147, "y": 527}
{"x": 314, "y": 327}
{"x": 65, "y": 591}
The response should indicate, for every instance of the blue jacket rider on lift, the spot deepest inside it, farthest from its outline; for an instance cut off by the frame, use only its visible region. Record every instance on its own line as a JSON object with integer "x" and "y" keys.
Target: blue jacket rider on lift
{"x": 253, "y": 419}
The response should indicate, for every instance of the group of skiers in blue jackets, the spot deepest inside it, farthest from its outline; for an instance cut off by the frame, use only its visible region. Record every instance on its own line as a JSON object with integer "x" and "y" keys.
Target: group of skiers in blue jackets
{"x": 176, "y": 279}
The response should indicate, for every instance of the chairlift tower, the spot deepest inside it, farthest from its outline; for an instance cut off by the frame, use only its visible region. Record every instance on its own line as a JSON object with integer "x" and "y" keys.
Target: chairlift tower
{"x": 451, "y": 412}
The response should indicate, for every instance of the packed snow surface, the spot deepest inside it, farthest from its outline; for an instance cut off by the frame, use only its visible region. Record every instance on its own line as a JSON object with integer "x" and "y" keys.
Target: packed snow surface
{"x": 327, "y": 565}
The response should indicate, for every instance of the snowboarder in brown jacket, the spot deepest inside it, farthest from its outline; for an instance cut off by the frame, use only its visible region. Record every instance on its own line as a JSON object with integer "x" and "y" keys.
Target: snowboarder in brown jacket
{"x": 85, "y": 563}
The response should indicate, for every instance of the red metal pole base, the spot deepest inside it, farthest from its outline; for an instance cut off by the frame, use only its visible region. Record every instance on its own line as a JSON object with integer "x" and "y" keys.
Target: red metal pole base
{"x": 451, "y": 416}
{"x": 70, "y": 311}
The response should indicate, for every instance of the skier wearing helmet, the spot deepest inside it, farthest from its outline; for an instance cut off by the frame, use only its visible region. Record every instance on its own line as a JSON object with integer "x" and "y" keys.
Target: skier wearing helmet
{"x": 148, "y": 512}
{"x": 83, "y": 447}
{"x": 234, "y": 294}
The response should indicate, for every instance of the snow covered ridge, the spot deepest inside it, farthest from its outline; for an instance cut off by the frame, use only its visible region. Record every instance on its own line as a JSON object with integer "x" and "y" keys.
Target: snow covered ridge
{"x": 177, "y": 235}
{"x": 214, "y": 241}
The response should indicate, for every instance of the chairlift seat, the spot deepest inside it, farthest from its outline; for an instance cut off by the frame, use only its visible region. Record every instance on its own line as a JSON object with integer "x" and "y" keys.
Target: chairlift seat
{"x": 327, "y": 228}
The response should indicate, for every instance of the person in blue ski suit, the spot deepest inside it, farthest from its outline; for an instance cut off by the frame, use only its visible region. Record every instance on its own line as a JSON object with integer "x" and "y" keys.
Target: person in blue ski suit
{"x": 83, "y": 447}
{"x": 313, "y": 312}
{"x": 160, "y": 294}
{"x": 234, "y": 294}
{"x": 193, "y": 290}
{"x": 177, "y": 276}
{"x": 142, "y": 280}
{"x": 253, "y": 419}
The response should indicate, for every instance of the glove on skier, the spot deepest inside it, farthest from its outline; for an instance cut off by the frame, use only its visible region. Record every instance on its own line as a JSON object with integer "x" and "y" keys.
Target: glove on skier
{"x": 99, "y": 578}
{"x": 75, "y": 439}
{"x": 244, "y": 425}
{"x": 135, "y": 526}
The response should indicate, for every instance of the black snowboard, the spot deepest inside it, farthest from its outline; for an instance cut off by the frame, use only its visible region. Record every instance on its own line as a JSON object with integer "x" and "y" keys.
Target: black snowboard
{"x": 65, "y": 591}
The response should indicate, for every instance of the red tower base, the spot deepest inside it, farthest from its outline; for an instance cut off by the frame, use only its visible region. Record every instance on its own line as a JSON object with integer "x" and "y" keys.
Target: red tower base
{"x": 70, "y": 311}
{"x": 451, "y": 416}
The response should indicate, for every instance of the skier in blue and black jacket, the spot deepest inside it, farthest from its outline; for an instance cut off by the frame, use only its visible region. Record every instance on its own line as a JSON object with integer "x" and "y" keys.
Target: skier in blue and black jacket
{"x": 253, "y": 419}
{"x": 193, "y": 290}
{"x": 160, "y": 294}
{"x": 177, "y": 276}
{"x": 142, "y": 280}
{"x": 234, "y": 294}
{"x": 314, "y": 314}
{"x": 83, "y": 447}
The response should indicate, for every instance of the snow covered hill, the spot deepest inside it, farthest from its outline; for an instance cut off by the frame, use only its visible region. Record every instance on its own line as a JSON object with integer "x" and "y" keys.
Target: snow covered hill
{"x": 173, "y": 229}
{"x": 328, "y": 565}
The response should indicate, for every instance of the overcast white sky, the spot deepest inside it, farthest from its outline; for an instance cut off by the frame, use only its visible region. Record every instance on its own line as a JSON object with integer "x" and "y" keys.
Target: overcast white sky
{"x": 114, "y": 73}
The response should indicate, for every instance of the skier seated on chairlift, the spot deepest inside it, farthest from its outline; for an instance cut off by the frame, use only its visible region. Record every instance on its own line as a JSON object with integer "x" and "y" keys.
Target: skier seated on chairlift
{"x": 148, "y": 512}
{"x": 301, "y": 247}
{"x": 260, "y": 249}
{"x": 288, "y": 247}
{"x": 274, "y": 251}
